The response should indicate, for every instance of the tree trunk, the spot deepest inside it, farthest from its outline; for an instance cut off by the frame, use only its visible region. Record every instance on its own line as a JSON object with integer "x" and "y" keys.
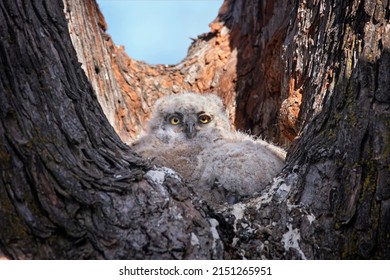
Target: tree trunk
{"x": 70, "y": 188}
{"x": 312, "y": 77}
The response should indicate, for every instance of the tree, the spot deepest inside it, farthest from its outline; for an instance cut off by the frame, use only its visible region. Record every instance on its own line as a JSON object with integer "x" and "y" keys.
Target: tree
{"x": 69, "y": 187}
{"x": 316, "y": 75}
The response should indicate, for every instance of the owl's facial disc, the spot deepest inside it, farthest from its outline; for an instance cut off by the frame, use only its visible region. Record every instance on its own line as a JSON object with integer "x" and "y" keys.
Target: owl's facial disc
{"x": 189, "y": 124}
{"x": 194, "y": 124}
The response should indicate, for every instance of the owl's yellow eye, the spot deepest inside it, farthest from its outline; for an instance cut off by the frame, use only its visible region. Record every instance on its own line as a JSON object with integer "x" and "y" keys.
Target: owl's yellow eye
{"x": 204, "y": 118}
{"x": 174, "y": 120}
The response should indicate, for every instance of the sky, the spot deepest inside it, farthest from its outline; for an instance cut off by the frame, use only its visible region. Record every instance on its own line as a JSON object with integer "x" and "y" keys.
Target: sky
{"x": 158, "y": 31}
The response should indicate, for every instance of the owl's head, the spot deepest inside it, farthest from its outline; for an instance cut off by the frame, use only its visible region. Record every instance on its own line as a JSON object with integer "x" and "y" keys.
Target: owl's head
{"x": 189, "y": 116}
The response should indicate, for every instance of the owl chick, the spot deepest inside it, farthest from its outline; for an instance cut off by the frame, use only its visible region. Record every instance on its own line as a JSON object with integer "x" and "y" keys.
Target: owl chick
{"x": 192, "y": 134}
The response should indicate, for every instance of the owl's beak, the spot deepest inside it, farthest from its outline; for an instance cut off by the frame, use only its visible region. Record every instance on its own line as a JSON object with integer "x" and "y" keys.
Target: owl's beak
{"x": 190, "y": 130}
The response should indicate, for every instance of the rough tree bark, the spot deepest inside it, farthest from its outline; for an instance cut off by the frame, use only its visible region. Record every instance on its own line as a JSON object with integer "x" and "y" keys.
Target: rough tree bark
{"x": 315, "y": 73}
{"x": 69, "y": 187}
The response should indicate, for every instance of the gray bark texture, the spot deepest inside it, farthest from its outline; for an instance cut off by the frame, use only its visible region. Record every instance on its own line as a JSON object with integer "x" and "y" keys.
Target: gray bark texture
{"x": 70, "y": 189}
{"x": 313, "y": 76}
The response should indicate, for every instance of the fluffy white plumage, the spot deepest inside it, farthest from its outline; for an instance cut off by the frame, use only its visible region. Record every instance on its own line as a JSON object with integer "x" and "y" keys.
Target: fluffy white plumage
{"x": 191, "y": 134}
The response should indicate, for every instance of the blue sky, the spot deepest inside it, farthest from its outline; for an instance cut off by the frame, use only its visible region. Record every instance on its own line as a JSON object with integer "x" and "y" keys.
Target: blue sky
{"x": 158, "y": 31}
